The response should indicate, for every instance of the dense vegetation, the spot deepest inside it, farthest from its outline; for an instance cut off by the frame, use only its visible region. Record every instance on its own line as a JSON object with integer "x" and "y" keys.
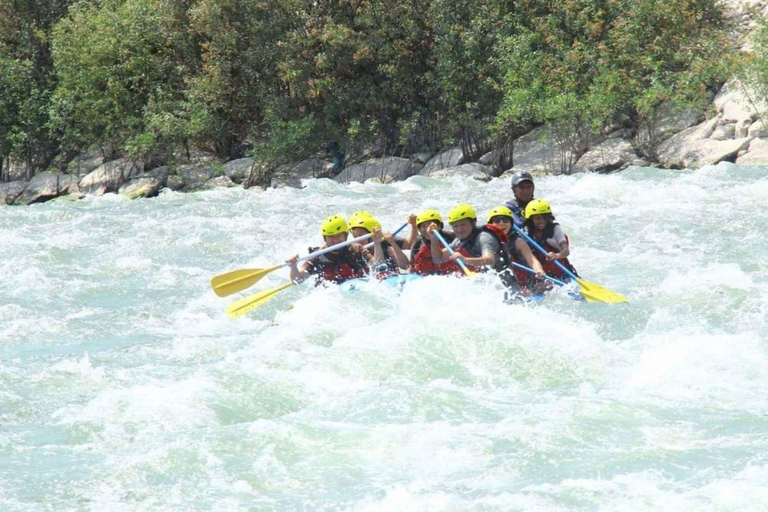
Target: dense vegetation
{"x": 279, "y": 79}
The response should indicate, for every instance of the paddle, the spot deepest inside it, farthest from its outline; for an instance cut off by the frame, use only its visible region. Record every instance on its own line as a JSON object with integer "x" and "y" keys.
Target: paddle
{"x": 468, "y": 272}
{"x": 244, "y": 305}
{"x": 238, "y": 280}
{"x": 591, "y": 291}
{"x": 531, "y": 271}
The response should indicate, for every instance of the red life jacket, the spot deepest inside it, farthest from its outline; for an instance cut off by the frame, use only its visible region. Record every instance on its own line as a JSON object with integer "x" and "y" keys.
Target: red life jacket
{"x": 421, "y": 261}
{"x": 550, "y": 267}
{"x": 340, "y": 267}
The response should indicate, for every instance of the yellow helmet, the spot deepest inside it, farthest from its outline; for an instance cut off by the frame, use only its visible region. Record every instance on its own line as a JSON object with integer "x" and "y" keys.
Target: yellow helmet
{"x": 427, "y": 215}
{"x": 363, "y": 220}
{"x": 463, "y": 211}
{"x": 334, "y": 225}
{"x": 500, "y": 211}
{"x": 537, "y": 207}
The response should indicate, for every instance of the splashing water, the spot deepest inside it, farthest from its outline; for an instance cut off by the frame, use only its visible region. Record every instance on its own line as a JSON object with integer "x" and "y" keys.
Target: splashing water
{"x": 126, "y": 387}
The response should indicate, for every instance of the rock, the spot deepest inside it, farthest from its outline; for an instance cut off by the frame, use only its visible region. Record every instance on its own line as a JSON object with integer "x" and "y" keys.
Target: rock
{"x": 757, "y": 153}
{"x": 670, "y": 120}
{"x": 11, "y": 190}
{"x": 742, "y": 129}
{"x": 85, "y": 162}
{"x": 609, "y": 155}
{"x": 724, "y": 132}
{"x": 444, "y": 160}
{"x": 537, "y": 151}
{"x": 290, "y": 175}
{"x": 68, "y": 184}
{"x": 160, "y": 173}
{"x": 421, "y": 158}
{"x": 142, "y": 186}
{"x": 238, "y": 170}
{"x": 384, "y": 169}
{"x": 758, "y": 129}
{"x": 193, "y": 179}
{"x": 671, "y": 152}
{"x": 217, "y": 182}
{"x": 474, "y": 170}
{"x": 75, "y": 196}
{"x": 690, "y": 149}
{"x": 42, "y": 187}
{"x": 174, "y": 182}
{"x": 736, "y": 102}
{"x": 16, "y": 170}
{"x": 109, "y": 176}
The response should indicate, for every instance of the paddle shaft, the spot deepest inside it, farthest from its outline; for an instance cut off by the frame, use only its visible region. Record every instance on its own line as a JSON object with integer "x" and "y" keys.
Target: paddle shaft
{"x": 368, "y": 246}
{"x": 451, "y": 251}
{"x": 544, "y": 252}
{"x": 530, "y": 270}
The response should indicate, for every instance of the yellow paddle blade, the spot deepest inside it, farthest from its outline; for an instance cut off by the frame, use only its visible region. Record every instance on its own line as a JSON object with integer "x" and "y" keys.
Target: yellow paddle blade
{"x": 596, "y": 293}
{"x": 242, "y": 306}
{"x": 469, "y": 273}
{"x": 238, "y": 280}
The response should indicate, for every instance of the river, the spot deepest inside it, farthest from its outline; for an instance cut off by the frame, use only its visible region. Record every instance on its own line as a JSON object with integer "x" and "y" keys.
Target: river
{"x": 124, "y": 386}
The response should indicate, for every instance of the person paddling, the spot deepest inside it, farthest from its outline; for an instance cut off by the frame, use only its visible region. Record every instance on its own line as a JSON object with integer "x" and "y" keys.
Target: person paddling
{"x": 523, "y": 188}
{"x": 519, "y": 251}
{"x": 391, "y": 256}
{"x": 479, "y": 248}
{"x": 350, "y": 262}
{"x": 541, "y": 226}
{"x": 421, "y": 252}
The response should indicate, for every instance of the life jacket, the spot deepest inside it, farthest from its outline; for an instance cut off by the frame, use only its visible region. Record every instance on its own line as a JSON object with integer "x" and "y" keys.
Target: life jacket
{"x": 422, "y": 263}
{"x": 518, "y": 211}
{"x": 389, "y": 266}
{"x": 550, "y": 267}
{"x": 340, "y": 267}
{"x": 467, "y": 247}
{"x": 522, "y": 278}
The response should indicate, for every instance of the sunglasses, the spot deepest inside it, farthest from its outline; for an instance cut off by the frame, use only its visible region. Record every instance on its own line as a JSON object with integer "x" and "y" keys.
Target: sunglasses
{"x": 499, "y": 218}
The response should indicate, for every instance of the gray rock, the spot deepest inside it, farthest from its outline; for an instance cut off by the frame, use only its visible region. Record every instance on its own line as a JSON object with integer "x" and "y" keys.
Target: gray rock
{"x": 383, "y": 169}
{"x": 607, "y": 156}
{"x": 290, "y": 175}
{"x": 672, "y": 151}
{"x": 141, "y": 186}
{"x": 68, "y": 184}
{"x": 11, "y": 190}
{"x": 758, "y": 129}
{"x": 174, "y": 182}
{"x": 537, "y": 151}
{"x": 736, "y": 102}
{"x": 109, "y": 176}
{"x": 757, "y": 153}
{"x": 193, "y": 179}
{"x": 421, "y": 158}
{"x": 724, "y": 132}
{"x": 444, "y": 160}
{"x": 742, "y": 129}
{"x": 160, "y": 173}
{"x": 42, "y": 187}
{"x": 217, "y": 182}
{"x": 474, "y": 170}
{"x": 238, "y": 170}
{"x": 85, "y": 163}
{"x": 671, "y": 119}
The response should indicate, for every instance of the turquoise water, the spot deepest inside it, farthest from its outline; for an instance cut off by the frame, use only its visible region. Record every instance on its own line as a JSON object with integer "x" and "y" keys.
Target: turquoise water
{"x": 124, "y": 386}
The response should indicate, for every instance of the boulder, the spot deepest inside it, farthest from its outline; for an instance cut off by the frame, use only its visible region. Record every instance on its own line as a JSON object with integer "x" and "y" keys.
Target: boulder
{"x": 724, "y": 132}
{"x": 11, "y": 190}
{"x": 238, "y": 170}
{"x": 85, "y": 162}
{"x": 758, "y": 129}
{"x": 736, "y": 102}
{"x": 671, "y": 152}
{"x": 42, "y": 187}
{"x": 383, "y": 169}
{"x": 444, "y": 160}
{"x": 756, "y": 154}
{"x": 142, "y": 186}
{"x": 68, "y": 184}
{"x": 670, "y": 120}
{"x": 692, "y": 148}
{"x": 174, "y": 182}
{"x": 290, "y": 175}
{"x": 609, "y": 155}
{"x": 193, "y": 179}
{"x": 537, "y": 151}
{"x": 109, "y": 176}
{"x": 217, "y": 182}
{"x": 474, "y": 170}
{"x": 421, "y": 158}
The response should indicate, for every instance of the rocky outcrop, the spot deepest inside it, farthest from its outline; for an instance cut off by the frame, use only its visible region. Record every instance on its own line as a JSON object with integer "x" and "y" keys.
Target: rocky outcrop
{"x": 474, "y": 170}
{"x": 42, "y": 187}
{"x": 217, "y": 182}
{"x": 383, "y": 169}
{"x": 291, "y": 175}
{"x": 755, "y": 154}
{"x": 109, "y": 177}
{"x": 238, "y": 170}
{"x": 85, "y": 163}
{"x": 537, "y": 151}
{"x": 694, "y": 147}
{"x": 142, "y": 186}
{"x": 10, "y": 191}
{"x": 609, "y": 155}
{"x": 444, "y": 160}
{"x": 193, "y": 179}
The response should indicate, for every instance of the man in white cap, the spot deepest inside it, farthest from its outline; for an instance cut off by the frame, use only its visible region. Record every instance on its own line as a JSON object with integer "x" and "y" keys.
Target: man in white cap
{"x": 522, "y": 187}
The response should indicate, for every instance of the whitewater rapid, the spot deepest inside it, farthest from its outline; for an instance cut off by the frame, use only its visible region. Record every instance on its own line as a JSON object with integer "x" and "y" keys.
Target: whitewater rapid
{"x": 124, "y": 386}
